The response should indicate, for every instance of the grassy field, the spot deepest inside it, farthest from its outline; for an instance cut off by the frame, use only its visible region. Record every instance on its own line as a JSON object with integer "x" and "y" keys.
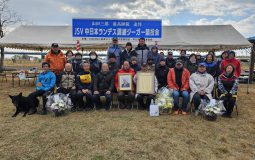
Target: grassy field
{"x": 123, "y": 134}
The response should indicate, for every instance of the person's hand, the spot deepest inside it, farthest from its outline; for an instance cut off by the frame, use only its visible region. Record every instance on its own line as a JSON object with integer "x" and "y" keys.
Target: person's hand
{"x": 84, "y": 91}
{"x": 96, "y": 92}
{"x": 108, "y": 92}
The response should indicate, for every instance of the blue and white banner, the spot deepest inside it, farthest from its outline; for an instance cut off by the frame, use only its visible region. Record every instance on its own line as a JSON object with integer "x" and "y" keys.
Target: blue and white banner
{"x": 117, "y": 28}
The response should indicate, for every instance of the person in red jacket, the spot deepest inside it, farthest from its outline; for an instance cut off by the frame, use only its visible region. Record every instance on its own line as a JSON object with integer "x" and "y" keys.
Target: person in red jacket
{"x": 129, "y": 99}
{"x": 231, "y": 60}
{"x": 178, "y": 81}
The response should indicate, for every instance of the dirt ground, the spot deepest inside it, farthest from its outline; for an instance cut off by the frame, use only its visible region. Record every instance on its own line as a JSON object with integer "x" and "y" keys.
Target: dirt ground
{"x": 124, "y": 134}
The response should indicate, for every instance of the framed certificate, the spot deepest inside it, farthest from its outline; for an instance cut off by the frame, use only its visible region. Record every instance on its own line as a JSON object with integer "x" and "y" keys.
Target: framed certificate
{"x": 145, "y": 83}
{"x": 125, "y": 82}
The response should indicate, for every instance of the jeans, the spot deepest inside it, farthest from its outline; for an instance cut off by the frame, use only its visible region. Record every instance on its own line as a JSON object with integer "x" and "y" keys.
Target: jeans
{"x": 197, "y": 99}
{"x": 185, "y": 101}
{"x": 108, "y": 100}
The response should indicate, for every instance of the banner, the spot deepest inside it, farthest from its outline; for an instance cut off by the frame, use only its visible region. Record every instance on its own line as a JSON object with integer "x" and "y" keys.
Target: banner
{"x": 107, "y": 28}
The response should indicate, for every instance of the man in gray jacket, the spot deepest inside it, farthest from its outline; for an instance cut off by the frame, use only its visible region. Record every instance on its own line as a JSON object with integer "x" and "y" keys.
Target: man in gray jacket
{"x": 142, "y": 52}
{"x": 201, "y": 84}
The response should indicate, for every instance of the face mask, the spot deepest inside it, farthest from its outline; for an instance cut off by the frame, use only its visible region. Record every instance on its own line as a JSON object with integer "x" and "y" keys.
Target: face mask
{"x": 93, "y": 57}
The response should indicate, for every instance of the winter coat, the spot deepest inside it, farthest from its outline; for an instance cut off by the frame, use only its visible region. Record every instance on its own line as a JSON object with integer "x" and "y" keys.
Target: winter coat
{"x": 201, "y": 81}
{"x": 103, "y": 82}
{"x": 45, "y": 81}
{"x": 172, "y": 82}
{"x": 126, "y": 56}
{"x": 57, "y": 61}
{"x": 142, "y": 54}
{"x": 67, "y": 80}
{"x": 114, "y": 49}
{"x": 161, "y": 74}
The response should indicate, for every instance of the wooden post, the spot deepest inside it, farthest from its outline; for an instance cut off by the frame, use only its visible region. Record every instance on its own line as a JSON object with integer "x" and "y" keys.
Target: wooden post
{"x": 2, "y": 60}
{"x": 252, "y": 60}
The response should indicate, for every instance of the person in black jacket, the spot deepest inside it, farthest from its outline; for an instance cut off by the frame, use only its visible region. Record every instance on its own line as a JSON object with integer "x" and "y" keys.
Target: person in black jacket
{"x": 112, "y": 64}
{"x": 192, "y": 63}
{"x": 161, "y": 73}
{"x": 170, "y": 61}
{"x": 127, "y": 53}
{"x": 183, "y": 56}
{"x": 77, "y": 63}
{"x": 103, "y": 86}
{"x": 134, "y": 64}
{"x": 95, "y": 64}
{"x": 84, "y": 87}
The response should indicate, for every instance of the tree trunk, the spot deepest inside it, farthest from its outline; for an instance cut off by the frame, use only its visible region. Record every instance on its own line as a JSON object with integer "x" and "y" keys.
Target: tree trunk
{"x": 252, "y": 63}
{"x": 2, "y": 60}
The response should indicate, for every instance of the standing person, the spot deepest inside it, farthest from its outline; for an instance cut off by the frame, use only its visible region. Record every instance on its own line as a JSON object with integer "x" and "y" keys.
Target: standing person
{"x": 183, "y": 56}
{"x": 84, "y": 87}
{"x": 44, "y": 84}
{"x": 154, "y": 55}
{"x": 162, "y": 54}
{"x": 56, "y": 59}
{"x": 134, "y": 64}
{"x": 77, "y": 63}
{"x": 94, "y": 63}
{"x": 148, "y": 97}
{"x": 178, "y": 81}
{"x": 128, "y": 53}
{"x": 142, "y": 52}
{"x": 125, "y": 101}
{"x": 211, "y": 66}
{"x": 201, "y": 84}
{"x": 170, "y": 61}
{"x": 228, "y": 86}
{"x": 112, "y": 64}
{"x": 231, "y": 60}
{"x": 115, "y": 49}
{"x": 192, "y": 63}
{"x": 69, "y": 56}
{"x": 200, "y": 59}
{"x": 66, "y": 83}
{"x": 161, "y": 73}
{"x": 103, "y": 86}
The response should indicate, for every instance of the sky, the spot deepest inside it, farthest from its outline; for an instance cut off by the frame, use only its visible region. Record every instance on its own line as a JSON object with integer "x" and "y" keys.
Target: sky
{"x": 239, "y": 13}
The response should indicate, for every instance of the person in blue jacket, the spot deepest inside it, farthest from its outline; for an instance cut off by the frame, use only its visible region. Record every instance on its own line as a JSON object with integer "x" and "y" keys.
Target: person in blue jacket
{"x": 84, "y": 87}
{"x": 44, "y": 84}
{"x": 115, "y": 49}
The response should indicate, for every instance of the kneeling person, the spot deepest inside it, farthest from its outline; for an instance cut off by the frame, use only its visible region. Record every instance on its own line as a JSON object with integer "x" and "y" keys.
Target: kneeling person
{"x": 103, "y": 86}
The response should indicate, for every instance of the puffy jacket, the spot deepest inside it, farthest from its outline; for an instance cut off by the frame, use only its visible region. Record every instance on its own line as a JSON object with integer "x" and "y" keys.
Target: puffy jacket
{"x": 170, "y": 62}
{"x": 57, "y": 62}
{"x": 126, "y": 56}
{"x": 113, "y": 67}
{"x": 84, "y": 80}
{"x": 67, "y": 80}
{"x": 77, "y": 66}
{"x": 104, "y": 82}
{"x": 156, "y": 57}
{"x": 161, "y": 74}
{"x": 212, "y": 68}
{"x": 121, "y": 71}
{"x": 172, "y": 82}
{"x": 117, "y": 51}
{"x": 95, "y": 66}
{"x": 235, "y": 62}
{"x": 142, "y": 54}
{"x": 228, "y": 85}
{"x": 45, "y": 81}
{"x": 135, "y": 67}
{"x": 191, "y": 67}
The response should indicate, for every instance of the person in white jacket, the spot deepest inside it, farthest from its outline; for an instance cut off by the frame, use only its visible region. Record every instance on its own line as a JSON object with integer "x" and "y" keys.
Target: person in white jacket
{"x": 201, "y": 85}
{"x": 140, "y": 97}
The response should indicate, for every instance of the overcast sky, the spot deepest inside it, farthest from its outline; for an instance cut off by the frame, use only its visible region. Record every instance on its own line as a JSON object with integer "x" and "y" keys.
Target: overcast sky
{"x": 239, "y": 13}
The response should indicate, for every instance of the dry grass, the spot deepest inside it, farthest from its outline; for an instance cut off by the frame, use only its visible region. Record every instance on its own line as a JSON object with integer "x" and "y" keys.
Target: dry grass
{"x": 122, "y": 134}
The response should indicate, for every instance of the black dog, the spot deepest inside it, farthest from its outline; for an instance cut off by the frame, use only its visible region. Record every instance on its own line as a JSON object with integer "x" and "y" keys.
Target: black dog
{"x": 24, "y": 104}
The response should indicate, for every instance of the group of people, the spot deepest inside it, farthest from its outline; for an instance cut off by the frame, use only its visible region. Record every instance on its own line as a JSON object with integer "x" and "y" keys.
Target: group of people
{"x": 192, "y": 78}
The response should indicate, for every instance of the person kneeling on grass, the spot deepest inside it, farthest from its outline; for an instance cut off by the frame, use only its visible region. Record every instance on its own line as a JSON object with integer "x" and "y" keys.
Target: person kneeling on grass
{"x": 140, "y": 97}
{"x": 201, "y": 84}
{"x": 84, "y": 87}
{"x": 103, "y": 86}
{"x": 125, "y": 101}
{"x": 66, "y": 83}
{"x": 228, "y": 85}
{"x": 44, "y": 84}
{"x": 178, "y": 81}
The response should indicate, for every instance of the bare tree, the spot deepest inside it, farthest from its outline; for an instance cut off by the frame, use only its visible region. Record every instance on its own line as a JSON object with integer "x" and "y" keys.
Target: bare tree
{"x": 7, "y": 18}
